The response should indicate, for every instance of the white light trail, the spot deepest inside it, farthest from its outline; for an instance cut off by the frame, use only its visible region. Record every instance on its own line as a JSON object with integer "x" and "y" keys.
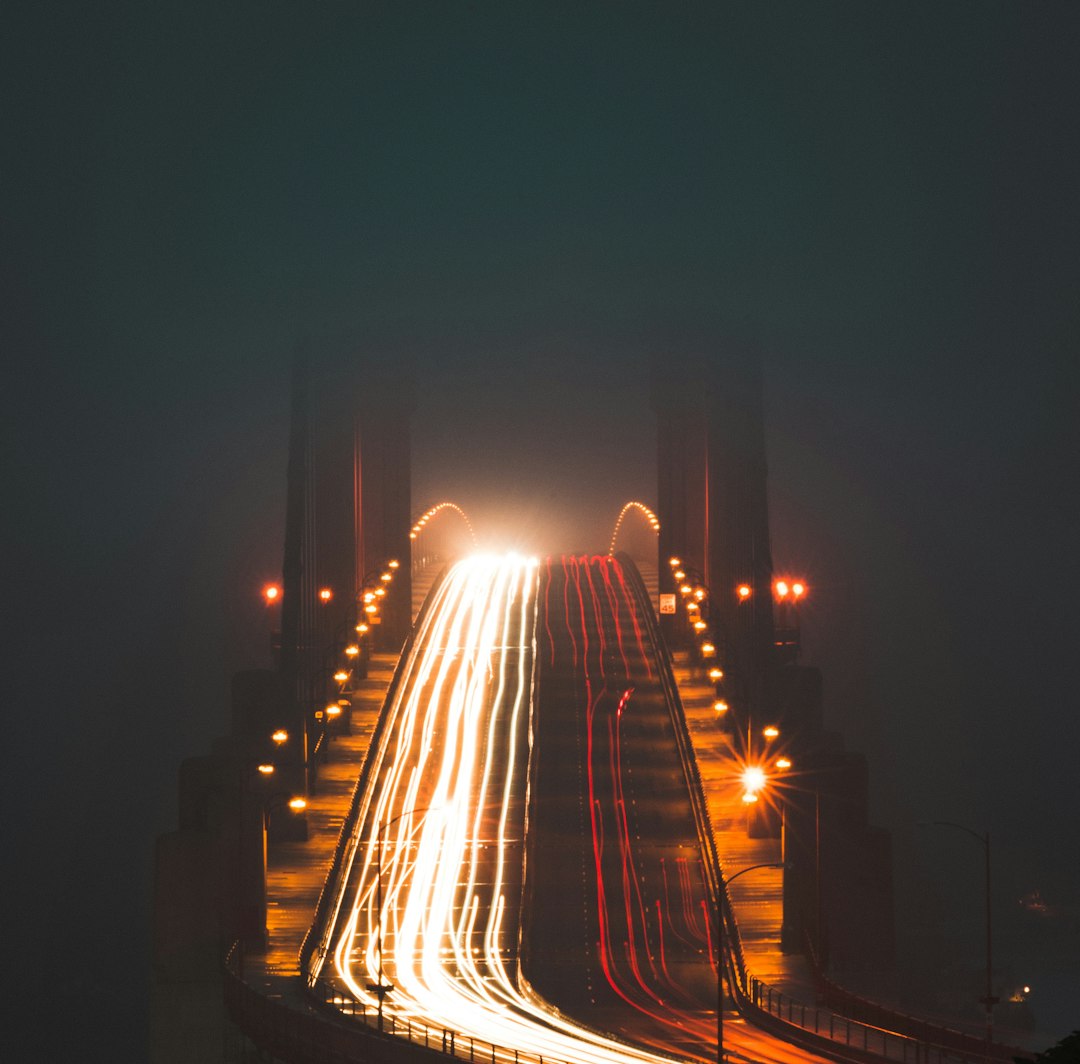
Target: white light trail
{"x": 449, "y": 799}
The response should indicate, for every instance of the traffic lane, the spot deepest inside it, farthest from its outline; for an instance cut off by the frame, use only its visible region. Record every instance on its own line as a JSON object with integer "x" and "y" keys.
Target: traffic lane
{"x": 634, "y": 865}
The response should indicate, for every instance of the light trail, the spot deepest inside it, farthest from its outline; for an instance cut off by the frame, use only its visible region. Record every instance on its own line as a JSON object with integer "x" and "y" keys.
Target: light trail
{"x": 440, "y": 836}
{"x": 450, "y": 802}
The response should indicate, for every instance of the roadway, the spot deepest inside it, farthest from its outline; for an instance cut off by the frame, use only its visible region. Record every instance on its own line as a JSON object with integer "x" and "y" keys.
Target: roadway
{"x": 525, "y": 870}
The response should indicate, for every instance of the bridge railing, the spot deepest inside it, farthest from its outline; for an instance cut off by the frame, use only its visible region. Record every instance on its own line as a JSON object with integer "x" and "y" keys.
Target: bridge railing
{"x": 342, "y": 1030}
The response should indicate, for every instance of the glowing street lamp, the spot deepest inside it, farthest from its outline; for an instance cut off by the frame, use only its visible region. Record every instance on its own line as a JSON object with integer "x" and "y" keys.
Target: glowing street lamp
{"x": 271, "y": 593}
{"x": 781, "y": 588}
{"x": 744, "y": 591}
{"x": 753, "y": 780}
{"x": 325, "y": 595}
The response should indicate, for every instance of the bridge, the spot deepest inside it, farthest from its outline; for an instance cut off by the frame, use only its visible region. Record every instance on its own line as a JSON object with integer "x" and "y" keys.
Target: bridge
{"x": 578, "y": 808}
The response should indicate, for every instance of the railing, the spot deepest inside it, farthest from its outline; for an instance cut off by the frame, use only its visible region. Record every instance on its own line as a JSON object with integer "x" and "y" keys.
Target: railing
{"x": 343, "y": 1031}
{"x": 706, "y": 837}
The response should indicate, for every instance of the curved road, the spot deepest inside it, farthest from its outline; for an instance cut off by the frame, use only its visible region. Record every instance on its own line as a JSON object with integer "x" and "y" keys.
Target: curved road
{"x": 525, "y": 869}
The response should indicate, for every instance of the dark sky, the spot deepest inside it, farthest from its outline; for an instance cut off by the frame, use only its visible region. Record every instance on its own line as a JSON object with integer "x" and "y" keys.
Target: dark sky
{"x": 883, "y": 195}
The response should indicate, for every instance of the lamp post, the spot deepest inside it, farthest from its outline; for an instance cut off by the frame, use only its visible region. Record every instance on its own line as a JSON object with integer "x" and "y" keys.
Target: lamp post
{"x": 721, "y": 946}
{"x": 254, "y": 811}
{"x": 380, "y": 988}
{"x": 989, "y": 1001}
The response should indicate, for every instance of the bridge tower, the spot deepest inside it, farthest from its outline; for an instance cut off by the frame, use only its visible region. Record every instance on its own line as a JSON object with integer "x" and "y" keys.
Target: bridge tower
{"x": 348, "y": 510}
{"x": 713, "y": 506}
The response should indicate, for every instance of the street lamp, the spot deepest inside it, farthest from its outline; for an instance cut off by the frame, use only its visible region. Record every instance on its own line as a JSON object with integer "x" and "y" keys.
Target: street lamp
{"x": 381, "y": 988}
{"x": 721, "y": 946}
{"x": 989, "y": 1001}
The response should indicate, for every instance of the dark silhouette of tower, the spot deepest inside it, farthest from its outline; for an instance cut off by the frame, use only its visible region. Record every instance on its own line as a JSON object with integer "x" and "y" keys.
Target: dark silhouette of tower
{"x": 714, "y": 516}
{"x": 713, "y": 505}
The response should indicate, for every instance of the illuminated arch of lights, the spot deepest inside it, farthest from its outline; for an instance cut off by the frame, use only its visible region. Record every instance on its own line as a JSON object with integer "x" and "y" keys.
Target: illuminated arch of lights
{"x": 649, "y": 516}
{"x": 428, "y": 516}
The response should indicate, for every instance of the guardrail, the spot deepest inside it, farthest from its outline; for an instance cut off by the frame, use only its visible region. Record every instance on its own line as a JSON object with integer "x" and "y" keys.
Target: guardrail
{"x": 323, "y": 1035}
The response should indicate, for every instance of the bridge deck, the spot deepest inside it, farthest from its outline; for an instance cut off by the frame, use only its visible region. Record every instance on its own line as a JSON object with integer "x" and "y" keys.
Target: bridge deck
{"x": 758, "y": 897}
{"x": 297, "y": 870}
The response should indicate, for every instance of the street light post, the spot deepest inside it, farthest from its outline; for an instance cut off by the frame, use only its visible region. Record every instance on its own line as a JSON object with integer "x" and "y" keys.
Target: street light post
{"x": 381, "y": 988}
{"x": 989, "y": 1000}
{"x": 721, "y": 947}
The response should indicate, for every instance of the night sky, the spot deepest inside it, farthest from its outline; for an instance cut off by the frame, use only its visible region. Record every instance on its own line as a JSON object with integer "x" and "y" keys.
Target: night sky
{"x": 884, "y": 196}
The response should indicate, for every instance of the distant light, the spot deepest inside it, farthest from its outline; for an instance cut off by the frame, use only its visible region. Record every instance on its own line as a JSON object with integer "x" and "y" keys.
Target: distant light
{"x": 744, "y": 591}
{"x": 700, "y": 626}
{"x": 781, "y": 588}
{"x": 297, "y": 805}
{"x": 380, "y": 592}
{"x": 333, "y": 710}
{"x": 325, "y": 594}
{"x": 352, "y": 650}
{"x": 393, "y": 563}
{"x": 798, "y": 589}
{"x": 1027, "y": 989}
{"x": 266, "y": 769}
{"x": 386, "y": 577}
{"x": 685, "y": 589}
{"x": 371, "y": 608}
{"x": 674, "y": 563}
{"x": 271, "y": 593}
{"x": 280, "y": 736}
{"x": 362, "y": 628}
{"x": 707, "y": 650}
{"x": 720, "y": 706}
{"x": 412, "y": 535}
{"x": 770, "y": 731}
{"x": 679, "y": 574}
{"x": 341, "y": 676}
{"x": 749, "y": 797}
{"x": 716, "y": 674}
{"x": 753, "y": 778}
{"x": 699, "y": 593}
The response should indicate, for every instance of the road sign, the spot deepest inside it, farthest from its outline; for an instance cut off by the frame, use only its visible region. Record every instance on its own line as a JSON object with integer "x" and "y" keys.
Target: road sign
{"x": 667, "y": 603}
